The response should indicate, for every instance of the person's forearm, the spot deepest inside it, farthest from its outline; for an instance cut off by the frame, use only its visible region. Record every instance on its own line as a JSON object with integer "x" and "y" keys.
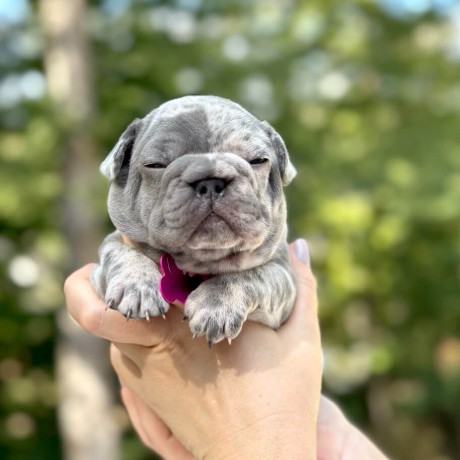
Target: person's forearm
{"x": 339, "y": 438}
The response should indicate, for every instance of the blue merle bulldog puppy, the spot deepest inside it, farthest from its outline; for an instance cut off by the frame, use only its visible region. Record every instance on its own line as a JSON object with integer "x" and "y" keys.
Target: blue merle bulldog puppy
{"x": 201, "y": 180}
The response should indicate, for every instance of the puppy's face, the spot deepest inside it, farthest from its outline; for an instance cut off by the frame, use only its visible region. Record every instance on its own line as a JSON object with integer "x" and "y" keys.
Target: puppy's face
{"x": 201, "y": 179}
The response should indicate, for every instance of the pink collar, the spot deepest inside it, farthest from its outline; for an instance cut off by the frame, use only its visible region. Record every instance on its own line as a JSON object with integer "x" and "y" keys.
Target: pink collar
{"x": 176, "y": 285}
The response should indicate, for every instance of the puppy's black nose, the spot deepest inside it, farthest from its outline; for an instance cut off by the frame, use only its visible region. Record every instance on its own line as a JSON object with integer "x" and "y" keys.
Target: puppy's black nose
{"x": 211, "y": 187}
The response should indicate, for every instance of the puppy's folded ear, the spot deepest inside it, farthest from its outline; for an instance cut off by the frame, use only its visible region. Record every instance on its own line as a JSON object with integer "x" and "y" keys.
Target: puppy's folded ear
{"x": 287, "y": 170}
{"x": 120, "y": 155}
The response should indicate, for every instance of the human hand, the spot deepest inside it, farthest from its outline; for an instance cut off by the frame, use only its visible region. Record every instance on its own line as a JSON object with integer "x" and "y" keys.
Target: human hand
{"x": 257, "y": 398}
{"x": 245, "y": 400}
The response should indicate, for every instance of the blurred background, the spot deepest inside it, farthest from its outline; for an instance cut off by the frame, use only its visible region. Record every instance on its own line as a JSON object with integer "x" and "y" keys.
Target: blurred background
{"x": 365, "y": 93}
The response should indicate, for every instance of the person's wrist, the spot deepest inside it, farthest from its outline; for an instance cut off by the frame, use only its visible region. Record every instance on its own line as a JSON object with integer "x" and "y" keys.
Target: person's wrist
{"x": 285, "y": 437}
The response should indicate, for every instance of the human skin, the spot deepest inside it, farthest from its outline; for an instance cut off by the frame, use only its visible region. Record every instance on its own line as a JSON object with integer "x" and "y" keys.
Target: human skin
{"x": 258, "y": 398}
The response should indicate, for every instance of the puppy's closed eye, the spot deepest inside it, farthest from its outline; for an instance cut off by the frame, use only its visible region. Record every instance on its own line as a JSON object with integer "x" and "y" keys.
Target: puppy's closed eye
{"x": 258, "y": 161}
{"x": 155, "y": 166}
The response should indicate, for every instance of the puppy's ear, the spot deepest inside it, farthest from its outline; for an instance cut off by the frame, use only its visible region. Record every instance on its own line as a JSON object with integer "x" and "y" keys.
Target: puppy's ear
{"x": 287, "y": 170}
{"x": 120, "y": 155}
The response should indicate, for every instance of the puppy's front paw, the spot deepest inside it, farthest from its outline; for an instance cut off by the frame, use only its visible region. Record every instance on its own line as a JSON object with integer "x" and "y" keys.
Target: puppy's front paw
{"x": 217, "y": 309}
{"x": 133, "y": 290}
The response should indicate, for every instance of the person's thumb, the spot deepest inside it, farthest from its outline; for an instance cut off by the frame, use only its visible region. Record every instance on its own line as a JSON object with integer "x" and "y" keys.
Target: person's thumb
{"x": 304, "y": 315}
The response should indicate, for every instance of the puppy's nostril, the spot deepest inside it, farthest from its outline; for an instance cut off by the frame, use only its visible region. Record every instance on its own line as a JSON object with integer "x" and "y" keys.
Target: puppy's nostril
{"x": 218, "y": 188}
{"x": 203, "y": 190}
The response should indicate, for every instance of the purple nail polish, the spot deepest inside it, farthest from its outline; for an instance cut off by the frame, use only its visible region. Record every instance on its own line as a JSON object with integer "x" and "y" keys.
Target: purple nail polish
{"x": 301, "y": 250}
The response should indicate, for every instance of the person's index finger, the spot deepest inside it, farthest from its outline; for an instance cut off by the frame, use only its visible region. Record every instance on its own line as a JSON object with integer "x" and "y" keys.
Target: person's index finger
{"x": 92, "y": 314}
{"x": 81, "y": 298}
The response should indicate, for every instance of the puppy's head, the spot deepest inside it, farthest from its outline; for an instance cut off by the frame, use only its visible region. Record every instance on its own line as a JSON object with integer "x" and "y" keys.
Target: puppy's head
{"x": 201, "y": 179}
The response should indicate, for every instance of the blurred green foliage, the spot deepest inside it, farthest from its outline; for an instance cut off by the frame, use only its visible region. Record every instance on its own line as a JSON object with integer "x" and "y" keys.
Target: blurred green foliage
{"x": 367, "y": 99}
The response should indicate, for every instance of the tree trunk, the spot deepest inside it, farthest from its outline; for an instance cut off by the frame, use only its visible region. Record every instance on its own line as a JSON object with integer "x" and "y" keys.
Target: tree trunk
{"x": 86, "y": 398}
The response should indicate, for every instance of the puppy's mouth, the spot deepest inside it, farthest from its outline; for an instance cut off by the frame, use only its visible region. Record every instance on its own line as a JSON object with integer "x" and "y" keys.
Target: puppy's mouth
{"x": 213, "y": 222}
{"x": 213, "y": 232}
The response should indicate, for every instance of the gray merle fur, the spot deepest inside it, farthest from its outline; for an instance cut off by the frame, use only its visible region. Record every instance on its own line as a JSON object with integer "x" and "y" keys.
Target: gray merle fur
{"x": 237, "y": 234}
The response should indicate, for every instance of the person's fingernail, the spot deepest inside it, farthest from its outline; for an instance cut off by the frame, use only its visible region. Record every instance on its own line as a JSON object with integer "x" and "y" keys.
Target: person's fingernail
{"x": 301, "y": 250}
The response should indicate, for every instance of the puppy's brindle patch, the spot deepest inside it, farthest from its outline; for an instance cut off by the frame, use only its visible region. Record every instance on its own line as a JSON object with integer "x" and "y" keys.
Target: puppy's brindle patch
{"x": 237, "y": 233}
